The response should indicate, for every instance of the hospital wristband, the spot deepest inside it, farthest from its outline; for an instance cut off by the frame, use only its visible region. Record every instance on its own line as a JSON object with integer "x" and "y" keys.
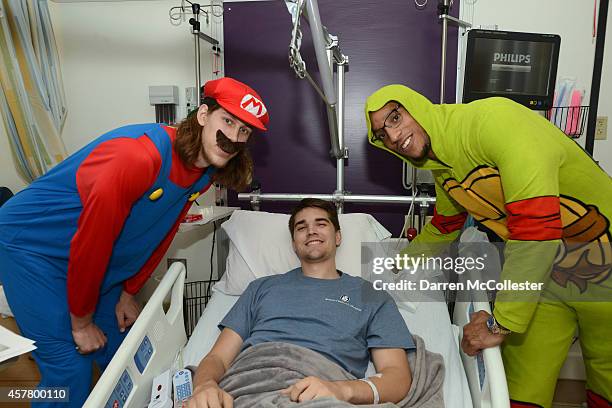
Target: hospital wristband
{"x": 374, "y": 389}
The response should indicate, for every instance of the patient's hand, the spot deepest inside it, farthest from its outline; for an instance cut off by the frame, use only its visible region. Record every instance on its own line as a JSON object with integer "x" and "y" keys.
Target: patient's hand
{"x": 310, "y": 388}
{"x": 210, "y": 395}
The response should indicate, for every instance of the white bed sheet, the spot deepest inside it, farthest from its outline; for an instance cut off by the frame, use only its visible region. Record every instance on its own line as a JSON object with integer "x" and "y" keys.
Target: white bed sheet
{"x": 430, "y": 320}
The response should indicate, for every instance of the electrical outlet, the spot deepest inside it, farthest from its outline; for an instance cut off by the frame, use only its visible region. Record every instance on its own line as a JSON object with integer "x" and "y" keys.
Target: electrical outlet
{"x": 181, "y": 260}
{"x": 192, "y": 99}
{"x": 601, "y": 128}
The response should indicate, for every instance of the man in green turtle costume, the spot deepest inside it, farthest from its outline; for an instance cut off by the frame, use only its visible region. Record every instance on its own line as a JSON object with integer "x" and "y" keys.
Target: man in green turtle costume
{"x": 522, "y": 178}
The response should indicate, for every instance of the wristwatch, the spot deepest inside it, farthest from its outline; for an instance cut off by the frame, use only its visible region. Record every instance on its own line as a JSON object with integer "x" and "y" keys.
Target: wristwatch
{"x": 495, "y": 327}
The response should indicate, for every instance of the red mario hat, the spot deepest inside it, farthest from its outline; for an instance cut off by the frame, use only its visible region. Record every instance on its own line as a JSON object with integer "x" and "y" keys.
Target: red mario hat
{"x": 240, "y": 100}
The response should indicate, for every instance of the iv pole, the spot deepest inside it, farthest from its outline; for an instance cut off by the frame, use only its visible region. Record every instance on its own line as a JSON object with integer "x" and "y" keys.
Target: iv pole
{"x": 197, "y": 36}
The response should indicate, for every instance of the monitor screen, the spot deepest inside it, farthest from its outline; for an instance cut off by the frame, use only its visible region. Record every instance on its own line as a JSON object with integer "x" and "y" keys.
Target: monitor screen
{"x": 519, "y": 66}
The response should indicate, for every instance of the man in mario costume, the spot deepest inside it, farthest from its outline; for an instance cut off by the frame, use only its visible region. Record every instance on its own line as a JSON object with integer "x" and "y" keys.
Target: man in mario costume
{"x": 80, "y": 242}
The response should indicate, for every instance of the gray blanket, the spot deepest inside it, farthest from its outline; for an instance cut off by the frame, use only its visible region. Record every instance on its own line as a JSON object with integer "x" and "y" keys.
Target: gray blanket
{"x": 260, "y": 372}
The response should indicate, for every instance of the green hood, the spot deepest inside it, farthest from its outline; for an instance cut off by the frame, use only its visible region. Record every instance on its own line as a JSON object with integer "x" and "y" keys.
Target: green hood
{"x": 431, "y": 117}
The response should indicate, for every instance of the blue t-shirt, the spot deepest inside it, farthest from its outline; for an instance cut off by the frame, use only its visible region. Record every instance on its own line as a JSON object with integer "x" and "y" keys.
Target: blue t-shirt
{"x": 340, "y": 318}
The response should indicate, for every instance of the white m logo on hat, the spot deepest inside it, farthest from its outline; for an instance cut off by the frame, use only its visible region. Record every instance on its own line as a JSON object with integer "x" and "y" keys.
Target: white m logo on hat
{"x": 253, "y": 105}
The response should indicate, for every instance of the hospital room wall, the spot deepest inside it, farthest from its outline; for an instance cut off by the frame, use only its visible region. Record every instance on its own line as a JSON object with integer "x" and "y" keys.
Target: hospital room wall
{"x": 603, "y": 148}
{"x": 573, "y": 21}
{"x": 111, "y": 52}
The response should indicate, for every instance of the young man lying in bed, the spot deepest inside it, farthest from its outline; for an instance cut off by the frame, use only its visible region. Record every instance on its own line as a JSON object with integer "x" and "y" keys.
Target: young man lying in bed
{"x": 318, "y": 308}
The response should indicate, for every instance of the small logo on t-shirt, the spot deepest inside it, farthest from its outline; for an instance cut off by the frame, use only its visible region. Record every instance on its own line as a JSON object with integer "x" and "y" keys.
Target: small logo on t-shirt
{"x": 344, "y": 300}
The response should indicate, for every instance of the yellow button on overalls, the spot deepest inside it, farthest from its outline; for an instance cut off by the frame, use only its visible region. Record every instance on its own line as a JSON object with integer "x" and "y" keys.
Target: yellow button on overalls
{"x": 156, "y": 194}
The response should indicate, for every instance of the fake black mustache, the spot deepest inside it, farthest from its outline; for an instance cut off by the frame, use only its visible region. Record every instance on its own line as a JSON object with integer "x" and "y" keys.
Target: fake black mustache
{"x": 227, "y": 145}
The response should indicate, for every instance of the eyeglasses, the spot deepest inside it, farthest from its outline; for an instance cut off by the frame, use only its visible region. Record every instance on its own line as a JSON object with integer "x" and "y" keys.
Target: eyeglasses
{"x": 392, "y": 121}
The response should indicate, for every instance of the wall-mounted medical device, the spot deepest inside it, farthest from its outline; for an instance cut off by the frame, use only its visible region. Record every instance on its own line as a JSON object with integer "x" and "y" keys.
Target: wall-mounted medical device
{"x": 515, "y": 65}
{"x": 164, "y": 98}
{"x": 192, "y": 99}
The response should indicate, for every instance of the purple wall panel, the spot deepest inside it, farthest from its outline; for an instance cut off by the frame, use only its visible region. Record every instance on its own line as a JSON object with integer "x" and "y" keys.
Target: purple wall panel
{"x": 386, "y": 42}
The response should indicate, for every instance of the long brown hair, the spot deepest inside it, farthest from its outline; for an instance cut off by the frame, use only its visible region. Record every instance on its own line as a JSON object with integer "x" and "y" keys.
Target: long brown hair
{"x": 237, "y": 173}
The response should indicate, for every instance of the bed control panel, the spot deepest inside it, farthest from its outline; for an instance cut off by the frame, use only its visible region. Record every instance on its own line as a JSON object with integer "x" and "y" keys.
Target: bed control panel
{"x": 121, "y": 392}
{"x": 143, "y": 354}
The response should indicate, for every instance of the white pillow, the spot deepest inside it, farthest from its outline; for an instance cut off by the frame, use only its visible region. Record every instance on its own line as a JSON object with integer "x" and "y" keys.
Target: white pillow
{"x": 260, "y": 245}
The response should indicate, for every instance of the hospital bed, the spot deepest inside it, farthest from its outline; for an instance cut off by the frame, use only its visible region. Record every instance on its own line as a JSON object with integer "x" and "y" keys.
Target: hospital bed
{"x": 157, "y": 340}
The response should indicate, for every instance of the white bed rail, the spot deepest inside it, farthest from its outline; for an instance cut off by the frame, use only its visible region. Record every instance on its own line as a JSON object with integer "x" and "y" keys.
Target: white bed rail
{"x": 485, "y": 372}
{"x": 150, "y": 347}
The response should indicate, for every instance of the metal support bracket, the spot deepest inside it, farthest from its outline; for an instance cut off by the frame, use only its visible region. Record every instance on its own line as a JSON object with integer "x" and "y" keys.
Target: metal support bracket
{"x": 460, "y": 23}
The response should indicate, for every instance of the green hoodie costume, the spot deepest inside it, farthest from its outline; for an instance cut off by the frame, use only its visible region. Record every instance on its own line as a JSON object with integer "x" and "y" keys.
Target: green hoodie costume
{"x": 516, "y": 173}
